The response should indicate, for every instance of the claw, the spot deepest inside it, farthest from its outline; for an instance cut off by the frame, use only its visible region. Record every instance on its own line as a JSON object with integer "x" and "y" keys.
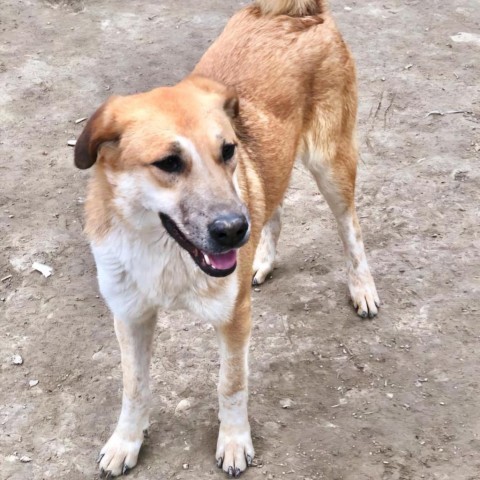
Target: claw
{"x": 230, "y": 471}
{"x": 107, "y": 474}
{"x": 363, "y": 314}
{"x": 249, "y": 460}
{"x": 145, "y": 433}
{"x": 100, "y": 456}
{"x": 125, "y": 469}
{"x": 237, "y": 472}
{"x": 219, "y": 462}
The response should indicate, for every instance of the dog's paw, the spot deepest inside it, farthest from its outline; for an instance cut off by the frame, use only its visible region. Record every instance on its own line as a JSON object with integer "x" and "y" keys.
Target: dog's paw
{"x": 262, "y": 271}
{"x": 119, "y": 454}
{"x": 364, "y": 294}
{"x": 264, "y": 261}
{"x": 234, "y": 449}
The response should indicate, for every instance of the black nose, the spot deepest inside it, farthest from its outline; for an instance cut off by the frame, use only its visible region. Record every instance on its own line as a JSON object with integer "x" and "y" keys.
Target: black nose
{"x": 229, "y": 230}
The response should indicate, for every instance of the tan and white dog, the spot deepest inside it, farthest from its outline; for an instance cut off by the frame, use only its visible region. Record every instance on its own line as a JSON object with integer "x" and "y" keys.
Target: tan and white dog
{"x": 186, "y": 175}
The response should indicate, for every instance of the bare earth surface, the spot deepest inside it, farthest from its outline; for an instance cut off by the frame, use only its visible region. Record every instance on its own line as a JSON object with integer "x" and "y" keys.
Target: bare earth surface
{"x": 393, "y": 398}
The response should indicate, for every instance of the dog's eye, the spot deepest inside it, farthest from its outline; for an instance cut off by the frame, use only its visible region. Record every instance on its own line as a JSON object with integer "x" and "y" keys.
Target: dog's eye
{"x": 170, "y": 164}
{"x": 228, "y": 150}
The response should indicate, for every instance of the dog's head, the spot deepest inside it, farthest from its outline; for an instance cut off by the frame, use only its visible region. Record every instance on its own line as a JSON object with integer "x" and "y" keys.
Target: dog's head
{"x": 169, "y": 157}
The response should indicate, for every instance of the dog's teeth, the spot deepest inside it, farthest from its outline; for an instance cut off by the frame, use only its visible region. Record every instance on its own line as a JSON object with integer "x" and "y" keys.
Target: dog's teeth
{"x": 208, "y": 261}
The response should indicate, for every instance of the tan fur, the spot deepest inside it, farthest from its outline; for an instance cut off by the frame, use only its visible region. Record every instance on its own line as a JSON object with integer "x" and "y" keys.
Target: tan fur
{"x": 298, "y": 8}
{"x": 279, "y": 82}
{"x": 309, "y": 72}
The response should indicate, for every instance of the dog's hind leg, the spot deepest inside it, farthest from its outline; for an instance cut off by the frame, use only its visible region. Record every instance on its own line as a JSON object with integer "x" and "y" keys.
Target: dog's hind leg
{"x": 333, "y": 162}
{"x": 267, "y": 248}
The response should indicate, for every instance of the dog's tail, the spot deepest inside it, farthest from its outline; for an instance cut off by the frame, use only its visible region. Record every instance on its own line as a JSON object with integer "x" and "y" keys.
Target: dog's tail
{"x": 294, "y": 8}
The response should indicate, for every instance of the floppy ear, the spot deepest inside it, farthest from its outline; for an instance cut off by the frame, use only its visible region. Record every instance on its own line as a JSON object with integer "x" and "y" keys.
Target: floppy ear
{"x": 101, "y": 127}
{"x": 232, "y": 104}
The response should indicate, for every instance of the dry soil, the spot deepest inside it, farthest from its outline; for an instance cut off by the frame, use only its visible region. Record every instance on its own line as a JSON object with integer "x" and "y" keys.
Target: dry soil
{"x": 392, "y": 398}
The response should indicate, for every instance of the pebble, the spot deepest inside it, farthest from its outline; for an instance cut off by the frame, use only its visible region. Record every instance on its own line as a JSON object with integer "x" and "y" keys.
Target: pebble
{"x": 185, "y": 466}
{"x": 33, "y": 383}
{"x": 286, "y": 403}
{"x": 182, "y": 406}
{"x": 17, "y": 359}
{"x": 72, "y": 143}
{"x": 45, "y": 270}
{"x": 25, "y": 459}
{"x": 99, "y": 356}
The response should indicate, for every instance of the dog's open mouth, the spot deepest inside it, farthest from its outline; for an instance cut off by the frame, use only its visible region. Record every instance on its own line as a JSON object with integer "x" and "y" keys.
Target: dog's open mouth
{"x": 213, "y": 264}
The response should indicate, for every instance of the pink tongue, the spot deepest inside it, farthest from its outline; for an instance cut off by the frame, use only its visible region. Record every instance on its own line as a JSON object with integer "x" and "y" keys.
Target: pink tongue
{"x": 223, "y": 261}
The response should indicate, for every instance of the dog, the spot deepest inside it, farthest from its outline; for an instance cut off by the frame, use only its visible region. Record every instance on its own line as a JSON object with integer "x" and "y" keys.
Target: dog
{"x": 184, "y": 204}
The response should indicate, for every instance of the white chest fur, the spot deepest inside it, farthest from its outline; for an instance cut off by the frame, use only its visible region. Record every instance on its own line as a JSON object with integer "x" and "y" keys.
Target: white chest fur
{"x": 141, "y": 271}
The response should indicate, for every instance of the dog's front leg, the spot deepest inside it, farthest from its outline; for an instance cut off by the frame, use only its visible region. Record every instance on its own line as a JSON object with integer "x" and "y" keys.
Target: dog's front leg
{"x": 234, "y": 446}
{"x": 120, "y": 453}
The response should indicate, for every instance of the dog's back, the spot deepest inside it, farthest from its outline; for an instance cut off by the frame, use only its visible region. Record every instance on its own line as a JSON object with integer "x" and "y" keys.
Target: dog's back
{"x": 284, "y": 58}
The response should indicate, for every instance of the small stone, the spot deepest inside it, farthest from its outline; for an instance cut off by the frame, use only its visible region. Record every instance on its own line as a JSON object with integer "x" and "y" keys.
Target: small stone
{"x": 33, "y": 383}
{"x": 45, "y": 270}
{"x": 25, "y": 459}
{"x": 185, "y": 466}
{"x": 99, "y": 356}
{"x": 390, "y": 395}
{"x": 286, "y": 403}
{"x": 72, "y": 142}
{"x": 17, "y": 359}
{"x": 183, "y": 406}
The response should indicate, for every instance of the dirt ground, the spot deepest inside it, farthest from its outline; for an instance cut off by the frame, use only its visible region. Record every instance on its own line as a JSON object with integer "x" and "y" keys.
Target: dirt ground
{"x": 393, "y": 398}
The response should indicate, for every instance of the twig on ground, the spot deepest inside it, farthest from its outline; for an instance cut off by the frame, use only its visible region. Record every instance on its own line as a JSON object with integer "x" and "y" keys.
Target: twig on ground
{"x": 448, "y": 112}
